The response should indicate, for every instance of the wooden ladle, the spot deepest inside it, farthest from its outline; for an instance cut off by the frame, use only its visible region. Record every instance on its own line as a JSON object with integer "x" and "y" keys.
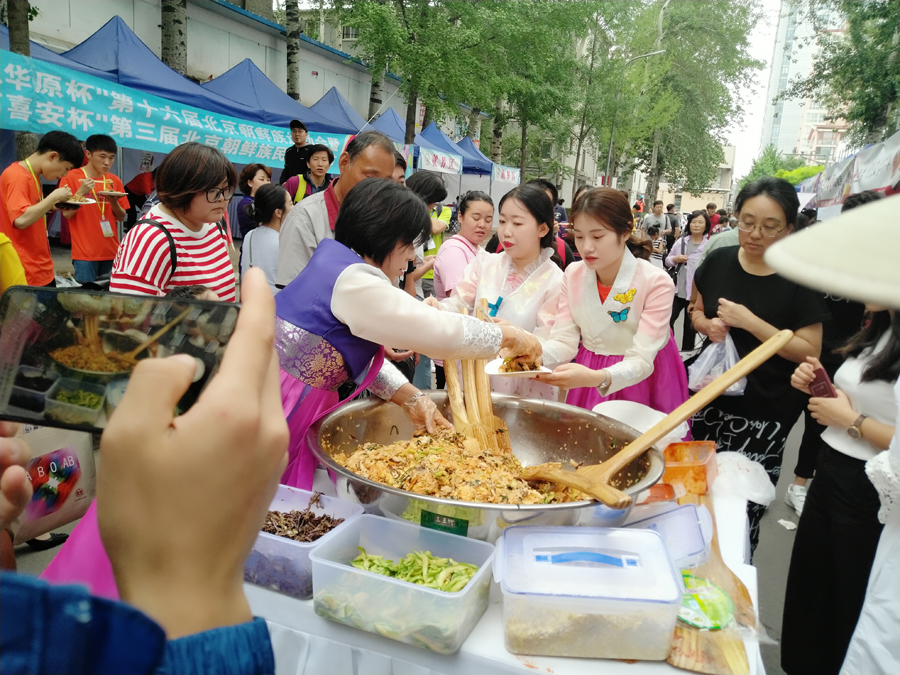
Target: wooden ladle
{"x": 601, "y": 474}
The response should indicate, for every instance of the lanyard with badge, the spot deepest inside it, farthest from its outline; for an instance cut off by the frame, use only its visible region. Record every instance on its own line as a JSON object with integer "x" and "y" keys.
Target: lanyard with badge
{"x": 37, "y": 184}
{"x": 105, "y": 225}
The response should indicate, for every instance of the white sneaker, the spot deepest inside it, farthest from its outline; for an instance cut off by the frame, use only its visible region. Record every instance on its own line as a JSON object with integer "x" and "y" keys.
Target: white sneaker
{"x": 795, "y": 497}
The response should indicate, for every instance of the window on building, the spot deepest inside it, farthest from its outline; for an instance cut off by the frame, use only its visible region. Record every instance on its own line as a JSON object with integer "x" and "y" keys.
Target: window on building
{"x": 547, "y": 150}
{"x": 814, "y": 118}
{"x": 350, "y": 33}
{"x": 824, "y": 152}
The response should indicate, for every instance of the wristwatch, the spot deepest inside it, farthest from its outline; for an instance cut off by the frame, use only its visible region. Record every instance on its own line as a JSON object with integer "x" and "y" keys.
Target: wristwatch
{"x": 855, "y": 430}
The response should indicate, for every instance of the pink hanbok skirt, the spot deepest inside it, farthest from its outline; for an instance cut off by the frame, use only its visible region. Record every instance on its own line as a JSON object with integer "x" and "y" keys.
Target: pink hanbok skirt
{"x": 664, "y": 390}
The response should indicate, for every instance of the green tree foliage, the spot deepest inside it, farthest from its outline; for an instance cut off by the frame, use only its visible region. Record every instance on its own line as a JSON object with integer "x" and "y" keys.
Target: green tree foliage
{"x": 856, "y": 73}
{"x": 698, "y": 74}
{"x": 797, "y": 176}
{"x": 769, "y": 163}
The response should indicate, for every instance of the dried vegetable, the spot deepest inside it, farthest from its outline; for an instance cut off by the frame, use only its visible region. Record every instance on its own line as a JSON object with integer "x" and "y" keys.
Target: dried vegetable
{"x": 303, "y": 526}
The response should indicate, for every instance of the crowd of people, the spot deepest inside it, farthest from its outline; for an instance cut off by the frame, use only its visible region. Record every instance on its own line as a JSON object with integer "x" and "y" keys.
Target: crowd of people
{"x": 372, "y": 277}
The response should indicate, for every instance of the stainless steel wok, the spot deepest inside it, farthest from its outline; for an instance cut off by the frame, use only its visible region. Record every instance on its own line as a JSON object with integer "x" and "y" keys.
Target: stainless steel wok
{"x": 540, "y": 431}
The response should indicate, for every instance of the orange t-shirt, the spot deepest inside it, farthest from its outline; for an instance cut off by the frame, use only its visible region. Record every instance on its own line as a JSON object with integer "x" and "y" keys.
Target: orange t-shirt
{"x": 603, "y": 290}
{"x": 88, "y": 241}
{"x": 18, "y": 192}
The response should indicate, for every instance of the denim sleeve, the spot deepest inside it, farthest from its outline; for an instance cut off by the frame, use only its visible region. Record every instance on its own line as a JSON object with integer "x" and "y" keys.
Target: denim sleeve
{"x": 63, "y": 629}
{"x": 245, "y": 648}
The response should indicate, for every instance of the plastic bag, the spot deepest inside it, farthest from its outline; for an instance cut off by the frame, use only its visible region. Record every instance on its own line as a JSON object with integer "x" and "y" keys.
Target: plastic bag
{"x": 715, "y": 360}
{"x": 740, "y": 476}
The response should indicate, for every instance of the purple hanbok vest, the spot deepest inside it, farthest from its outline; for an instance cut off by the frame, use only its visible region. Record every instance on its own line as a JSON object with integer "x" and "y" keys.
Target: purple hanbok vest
{"x": 313, "y": 346}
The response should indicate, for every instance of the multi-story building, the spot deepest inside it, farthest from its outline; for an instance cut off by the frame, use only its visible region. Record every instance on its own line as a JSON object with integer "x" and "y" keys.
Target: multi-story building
{"x": 793, "y": 125}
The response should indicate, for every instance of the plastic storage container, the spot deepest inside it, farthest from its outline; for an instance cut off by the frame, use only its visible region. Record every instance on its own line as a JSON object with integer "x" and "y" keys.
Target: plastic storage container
{"x": 466, "y": 522}
{"x": 32, "y": 398}
{"x": 68, "y": 412}
{"x": 681, "y": 530}
{"x": 399, "y": 610}
{"x": 588, "y": 592}
{"x": 692, "y": 464}
{"x": 282, "y": 564}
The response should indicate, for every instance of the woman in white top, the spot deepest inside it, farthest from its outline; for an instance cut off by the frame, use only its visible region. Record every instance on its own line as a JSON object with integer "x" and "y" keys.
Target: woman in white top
{"x": 260, "y": 248}
{"x": 839, "y": 528}
{"x": 522, "y": 282}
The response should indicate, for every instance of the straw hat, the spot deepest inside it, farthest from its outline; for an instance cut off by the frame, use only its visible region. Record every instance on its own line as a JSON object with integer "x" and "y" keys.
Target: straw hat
{"x": 855, "y": 255}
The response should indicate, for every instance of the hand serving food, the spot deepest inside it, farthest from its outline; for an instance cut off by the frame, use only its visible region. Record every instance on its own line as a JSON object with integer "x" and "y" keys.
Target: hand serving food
{"x": 520, "y": 346}
{"x": 424, "y": 413}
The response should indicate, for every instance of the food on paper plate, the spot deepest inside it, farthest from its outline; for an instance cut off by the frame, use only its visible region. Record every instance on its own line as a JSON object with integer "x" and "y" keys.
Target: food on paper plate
{"x": 512, "y": 365}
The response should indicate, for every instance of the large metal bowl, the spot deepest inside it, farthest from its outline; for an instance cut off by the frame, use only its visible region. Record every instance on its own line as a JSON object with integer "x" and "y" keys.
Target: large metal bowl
{"x": 540, "y": 431}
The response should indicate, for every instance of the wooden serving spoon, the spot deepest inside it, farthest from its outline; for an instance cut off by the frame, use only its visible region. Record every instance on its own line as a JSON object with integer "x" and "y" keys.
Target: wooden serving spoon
{"x": 603, "y": 473}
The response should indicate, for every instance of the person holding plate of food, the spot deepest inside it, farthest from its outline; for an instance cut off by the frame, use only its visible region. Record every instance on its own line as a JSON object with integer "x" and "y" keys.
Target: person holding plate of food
{"x": 521, "y": 283}
{"x": 613, "y": 316}
{"x": 333, "y": 317}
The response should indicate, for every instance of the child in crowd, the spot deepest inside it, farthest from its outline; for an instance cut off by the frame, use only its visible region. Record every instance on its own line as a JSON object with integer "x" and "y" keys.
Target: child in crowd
{"x": 23, "y": 207}
{"x": 659, "y": 247}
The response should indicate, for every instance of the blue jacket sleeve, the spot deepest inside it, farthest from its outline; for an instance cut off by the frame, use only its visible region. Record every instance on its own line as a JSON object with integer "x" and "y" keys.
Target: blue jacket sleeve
{"x": 245, "y": 648}
{"x": 63, "y": 629}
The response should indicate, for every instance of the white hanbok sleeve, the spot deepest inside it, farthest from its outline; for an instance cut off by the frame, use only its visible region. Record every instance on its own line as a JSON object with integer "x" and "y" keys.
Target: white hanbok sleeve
{"x": 465, "y": 292}
{"x": 366, "y": 302}
{"x": 561, "y": 345}
{"x": 652, "y": 335}
{"x": 546, "y": 316}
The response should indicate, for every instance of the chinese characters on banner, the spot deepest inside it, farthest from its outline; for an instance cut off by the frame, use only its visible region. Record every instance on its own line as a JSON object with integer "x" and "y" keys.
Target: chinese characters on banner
{"x": 435, "y": 160}
{"x": 39, "y": 97}
{"x": 506, "y": 174}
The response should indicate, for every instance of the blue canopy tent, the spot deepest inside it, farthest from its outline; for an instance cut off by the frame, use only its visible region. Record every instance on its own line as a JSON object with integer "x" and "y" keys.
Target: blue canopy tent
{"x": 471, "y": 163}
{"x": 245, "y": 83}
{"x": 116, "y": 50}
{"x": 468, "y": 145}
{"x": 391, "y": 125}
{"x": 335, "y": 107}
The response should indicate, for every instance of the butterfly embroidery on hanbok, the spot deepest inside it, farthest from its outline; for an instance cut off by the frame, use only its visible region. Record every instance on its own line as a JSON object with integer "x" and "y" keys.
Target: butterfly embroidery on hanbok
{"x": 625, "y": 297}
{"x": 619, "y": 316}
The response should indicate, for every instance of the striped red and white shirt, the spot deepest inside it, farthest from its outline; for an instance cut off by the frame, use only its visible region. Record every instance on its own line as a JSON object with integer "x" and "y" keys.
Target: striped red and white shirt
{"x": 143, "y": 264}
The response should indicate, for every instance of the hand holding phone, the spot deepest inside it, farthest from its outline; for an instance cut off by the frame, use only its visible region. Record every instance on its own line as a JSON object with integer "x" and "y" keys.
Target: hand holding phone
{"x": 821, "y": 386}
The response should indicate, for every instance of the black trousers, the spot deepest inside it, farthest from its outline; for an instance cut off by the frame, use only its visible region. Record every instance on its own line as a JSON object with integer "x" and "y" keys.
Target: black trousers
{"x": 812, "y": 441}
{"x": 440, "y": 377}
{"x": 833, "y": 552}
{"x": 688, "y": 334}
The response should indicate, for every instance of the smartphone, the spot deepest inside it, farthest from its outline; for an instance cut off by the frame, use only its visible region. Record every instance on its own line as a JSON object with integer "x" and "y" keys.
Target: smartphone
{"x": 821, "y": 386}
{"x": 66, "y": 354}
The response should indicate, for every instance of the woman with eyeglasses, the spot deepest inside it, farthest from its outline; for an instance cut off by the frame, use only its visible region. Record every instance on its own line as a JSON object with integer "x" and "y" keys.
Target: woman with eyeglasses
{"x": 738, "y": 294}
{"x": 181, "y": 242}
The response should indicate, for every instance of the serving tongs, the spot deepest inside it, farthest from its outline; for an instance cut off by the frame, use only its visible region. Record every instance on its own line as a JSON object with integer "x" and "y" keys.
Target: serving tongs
{"x": 599, "y": 475}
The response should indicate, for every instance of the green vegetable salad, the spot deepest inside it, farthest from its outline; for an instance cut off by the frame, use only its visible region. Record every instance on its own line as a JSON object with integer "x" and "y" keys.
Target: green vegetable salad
{"x": 420, "y": 567}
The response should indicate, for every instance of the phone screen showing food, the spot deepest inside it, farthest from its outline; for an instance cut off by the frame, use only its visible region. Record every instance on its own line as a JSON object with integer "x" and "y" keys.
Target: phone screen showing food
{"x": 821, "y": 386}
{"x": 66, "y": 354}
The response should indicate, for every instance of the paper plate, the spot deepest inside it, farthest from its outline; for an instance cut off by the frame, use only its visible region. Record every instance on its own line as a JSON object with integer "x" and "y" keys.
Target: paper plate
{"x": 493, "y": 368}
{"x": 112, "y": 193}
{"x": 84, "y": 203}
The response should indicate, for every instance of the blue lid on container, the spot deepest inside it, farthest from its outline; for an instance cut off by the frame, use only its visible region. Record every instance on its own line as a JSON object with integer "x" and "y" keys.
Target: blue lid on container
{"x": 588, "y": 562}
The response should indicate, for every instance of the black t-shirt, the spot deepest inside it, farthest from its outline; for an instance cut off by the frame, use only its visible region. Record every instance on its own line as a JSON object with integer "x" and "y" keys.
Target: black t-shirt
{"x": 846, "y": 320}
{"x": 296, "y": 162}
{"x": 776, "y": 301}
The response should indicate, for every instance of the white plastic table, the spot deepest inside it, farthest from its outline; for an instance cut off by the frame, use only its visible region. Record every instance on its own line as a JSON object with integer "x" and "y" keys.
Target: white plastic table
{"x": 305, "y": 643}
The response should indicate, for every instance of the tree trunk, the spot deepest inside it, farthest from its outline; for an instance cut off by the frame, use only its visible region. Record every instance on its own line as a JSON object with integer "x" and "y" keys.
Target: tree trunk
{"x": 497, "y": 134}
{"x": 523, "y": 151}
{"x": 581, "y": 131}
{"x": 474, "y": 123}
{"x": 17, "y": 15}
{"x": 375, "y": 92}
{"x": 427, "y": 119}
{"x": 653, "y": 173}
{"x": 174, "y": 35}
{"x": 412, "y": 113}
{"x": 292, "y": 30}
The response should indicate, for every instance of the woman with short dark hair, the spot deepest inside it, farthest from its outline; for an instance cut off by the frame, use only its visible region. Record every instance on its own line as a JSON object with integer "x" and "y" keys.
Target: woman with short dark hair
{"x": 739, "y": 295}
{"x": 182, "y": 241}
{"x": 260, "y": 247}
{"x": 333, "y": 317}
